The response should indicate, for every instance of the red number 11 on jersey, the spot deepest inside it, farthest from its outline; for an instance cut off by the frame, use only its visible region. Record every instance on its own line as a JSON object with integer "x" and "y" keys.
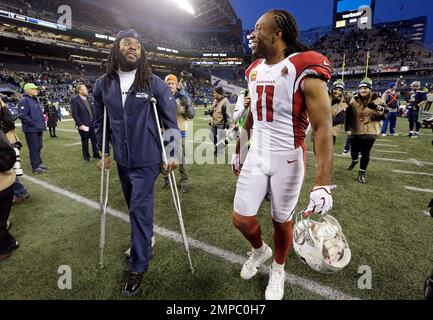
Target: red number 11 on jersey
{"x": 269, "y": 91}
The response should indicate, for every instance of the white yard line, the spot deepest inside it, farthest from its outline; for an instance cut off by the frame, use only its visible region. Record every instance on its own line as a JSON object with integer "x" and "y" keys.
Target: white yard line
{"x": 19, "y": 125}
{"x": 419, "y": 190}
{"x": 415, "y": 173}
{"x": 408, "y": 161}
{"x": 388, "y": 151}
{"x": 66, "y": 130}
{"x": 385, "y": 145}
{"x": 73, "y": 144}
{"x": 291, "y": 279}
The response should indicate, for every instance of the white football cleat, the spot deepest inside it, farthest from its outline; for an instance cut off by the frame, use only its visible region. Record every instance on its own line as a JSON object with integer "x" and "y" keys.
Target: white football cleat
{"x": 275, "y": 288}
{"x": 256, "y": 259}
{"x": 128, "y": 252}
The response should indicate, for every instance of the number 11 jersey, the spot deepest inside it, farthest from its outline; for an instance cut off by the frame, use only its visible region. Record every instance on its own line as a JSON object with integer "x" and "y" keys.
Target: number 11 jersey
{"x": 277, "y": 99}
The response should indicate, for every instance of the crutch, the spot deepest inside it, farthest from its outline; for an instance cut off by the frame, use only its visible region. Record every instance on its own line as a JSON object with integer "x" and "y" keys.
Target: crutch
{"x": 103, "y": 200}
{"x": 173, "y": 187}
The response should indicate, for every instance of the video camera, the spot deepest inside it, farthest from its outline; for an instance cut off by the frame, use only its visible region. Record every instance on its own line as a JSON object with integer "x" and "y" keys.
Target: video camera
{"x": 208, "y": 112}
{"x": 186, "y": 74}
{"x": 17, "y": 166}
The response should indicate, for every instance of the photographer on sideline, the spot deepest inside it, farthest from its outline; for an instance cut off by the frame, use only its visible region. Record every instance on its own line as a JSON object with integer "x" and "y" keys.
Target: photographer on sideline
{"x": 184, "y": 111}
{"x": 7, "y": 125}
{"x": 221, "y": 118}
{"x": 8, "y": 244}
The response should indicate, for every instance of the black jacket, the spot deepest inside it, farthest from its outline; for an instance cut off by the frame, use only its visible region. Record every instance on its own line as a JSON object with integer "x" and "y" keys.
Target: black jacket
{"x": 7, "y": 154}
{"x": 6, "y": 120}
{"x": 80, "y": 113}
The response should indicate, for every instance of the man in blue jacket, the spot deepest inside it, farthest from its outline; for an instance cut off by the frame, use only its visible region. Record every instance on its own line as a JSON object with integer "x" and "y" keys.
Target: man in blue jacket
{"x": 125, "y": 91}
{"x": 33, "y": 125}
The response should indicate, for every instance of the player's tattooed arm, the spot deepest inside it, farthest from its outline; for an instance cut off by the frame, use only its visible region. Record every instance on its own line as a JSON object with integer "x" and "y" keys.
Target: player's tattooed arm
{"x": 319, "y": 113}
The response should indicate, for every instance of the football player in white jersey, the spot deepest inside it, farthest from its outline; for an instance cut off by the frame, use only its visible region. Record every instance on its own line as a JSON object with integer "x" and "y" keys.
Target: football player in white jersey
{"x": 288, "y": 91}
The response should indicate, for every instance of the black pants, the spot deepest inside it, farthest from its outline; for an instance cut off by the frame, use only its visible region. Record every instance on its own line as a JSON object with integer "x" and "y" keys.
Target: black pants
{"x": 34, "y": 142}
{"x": 6, "y": 198}
{"x": 364, "y": 146}
{"x": 413, "y": 120}
{"x": 52, "y": 131}
{"x": 218, "y": 134}
{"x": 85, "y": 136}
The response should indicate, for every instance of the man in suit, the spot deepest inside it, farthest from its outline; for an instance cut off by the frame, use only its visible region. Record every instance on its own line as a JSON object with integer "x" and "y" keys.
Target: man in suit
{"x": 125, "y": 92}
{"x": 83, "y": 114}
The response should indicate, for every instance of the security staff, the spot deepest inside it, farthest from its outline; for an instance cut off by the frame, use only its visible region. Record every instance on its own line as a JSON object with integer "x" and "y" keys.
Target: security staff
{"x": 33, "y": 125}
{"x": 83, "y": 114}
{"x": 125, "y": 92}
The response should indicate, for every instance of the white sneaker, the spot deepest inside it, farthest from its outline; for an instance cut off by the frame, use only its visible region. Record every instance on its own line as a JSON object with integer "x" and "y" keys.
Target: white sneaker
{"x": 252, "y": 265}
{"x": 383, "y": 134}
{"x": 128, "y": 252}
{"x": 275, "y": 288}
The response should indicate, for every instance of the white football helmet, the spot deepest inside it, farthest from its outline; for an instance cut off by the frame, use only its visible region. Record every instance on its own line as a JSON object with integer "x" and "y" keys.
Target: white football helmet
{"x": 320, "y": 243}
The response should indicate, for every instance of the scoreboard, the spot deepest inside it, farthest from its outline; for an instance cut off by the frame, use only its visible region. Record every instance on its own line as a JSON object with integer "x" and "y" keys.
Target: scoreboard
{"x": 346, "y": 13}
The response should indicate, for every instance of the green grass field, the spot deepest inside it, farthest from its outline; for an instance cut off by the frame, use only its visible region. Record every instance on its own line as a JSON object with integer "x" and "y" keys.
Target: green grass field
{"x": 385, "y": 225}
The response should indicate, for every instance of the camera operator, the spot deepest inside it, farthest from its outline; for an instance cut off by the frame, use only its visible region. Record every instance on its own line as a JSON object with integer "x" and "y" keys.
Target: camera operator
{"x": 184, "y": 111}
{"x": 221, "y": 118}
{"x": 7, "y": 125}
{"x": 8, "y": 244}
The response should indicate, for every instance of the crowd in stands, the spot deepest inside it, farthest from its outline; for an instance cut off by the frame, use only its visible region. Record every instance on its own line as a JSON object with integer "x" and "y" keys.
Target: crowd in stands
{"x": 56, "y": 86}
{"x": 59, "y": 85}
{"x": 386, "y": 46}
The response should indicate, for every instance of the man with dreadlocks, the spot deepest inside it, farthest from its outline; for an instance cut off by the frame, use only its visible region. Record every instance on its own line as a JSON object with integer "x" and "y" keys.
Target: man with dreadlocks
{"x": 125, "y": 91}
{"x": 288, "y": 90}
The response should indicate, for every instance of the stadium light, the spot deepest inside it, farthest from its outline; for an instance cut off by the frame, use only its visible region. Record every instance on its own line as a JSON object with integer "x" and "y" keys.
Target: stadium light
{"x": 184, "y": 4}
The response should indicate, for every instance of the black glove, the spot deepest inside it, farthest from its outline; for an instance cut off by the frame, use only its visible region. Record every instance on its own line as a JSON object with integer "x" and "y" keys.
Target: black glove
{"x": 375, "y": 107}
{"x": 372, "y": 106}
{"x": 17, "y": 145}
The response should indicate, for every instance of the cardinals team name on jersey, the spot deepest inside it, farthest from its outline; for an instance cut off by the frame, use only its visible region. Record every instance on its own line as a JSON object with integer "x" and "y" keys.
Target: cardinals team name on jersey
{"x": 277, "y": 100}
{"x": 265, "y": 82}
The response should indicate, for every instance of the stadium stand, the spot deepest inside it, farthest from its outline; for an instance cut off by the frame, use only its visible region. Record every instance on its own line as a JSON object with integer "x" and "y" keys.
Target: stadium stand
{"x": 386, "y": 47}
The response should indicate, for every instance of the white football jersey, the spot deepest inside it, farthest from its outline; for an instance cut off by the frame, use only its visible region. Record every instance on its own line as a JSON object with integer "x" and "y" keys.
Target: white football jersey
{"x": 277, "y": 101}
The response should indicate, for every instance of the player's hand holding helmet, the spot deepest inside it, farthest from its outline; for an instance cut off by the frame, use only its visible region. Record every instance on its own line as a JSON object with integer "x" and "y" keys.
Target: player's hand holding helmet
{"x": 320, "y": 200}
{"x": 320, "y": 243}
